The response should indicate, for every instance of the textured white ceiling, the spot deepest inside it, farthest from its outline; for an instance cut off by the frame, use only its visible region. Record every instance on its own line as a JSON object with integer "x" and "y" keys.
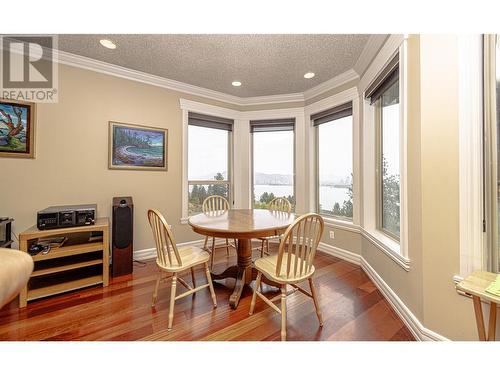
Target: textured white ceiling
{"x": 265, "y": 64}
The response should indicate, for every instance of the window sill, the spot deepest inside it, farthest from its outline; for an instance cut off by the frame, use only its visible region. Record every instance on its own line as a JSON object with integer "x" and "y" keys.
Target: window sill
{"x": 184, "y": 220}
{"x": 390, "y": 247}
{"x": 341, "y": 224}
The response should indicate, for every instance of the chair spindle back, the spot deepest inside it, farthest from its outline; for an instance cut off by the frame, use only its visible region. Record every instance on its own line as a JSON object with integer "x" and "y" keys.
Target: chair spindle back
{"x": 280, "y": 204}
{"x": 215, "y": 203}
{"x": 298, "y": 246}
{"x": 167, "y": 254}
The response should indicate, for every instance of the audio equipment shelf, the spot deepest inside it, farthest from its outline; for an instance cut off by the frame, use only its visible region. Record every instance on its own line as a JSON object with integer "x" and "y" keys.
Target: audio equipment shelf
{"x": 68, "y": 267}
{"x": 65, "y": 251}
{"x": 63, "y": 287}
{"x": 82, "y": 261}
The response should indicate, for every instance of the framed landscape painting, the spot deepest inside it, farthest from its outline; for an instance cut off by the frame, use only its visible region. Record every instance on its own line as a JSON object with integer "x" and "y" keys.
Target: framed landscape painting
{"x": 17, "y": 129}
{"x": 137, "y": 147}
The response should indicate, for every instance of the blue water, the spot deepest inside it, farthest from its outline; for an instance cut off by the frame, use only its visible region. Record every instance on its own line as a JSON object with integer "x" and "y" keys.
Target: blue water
{"x": 155, "y": 151}
{"x": 328, "y": 195}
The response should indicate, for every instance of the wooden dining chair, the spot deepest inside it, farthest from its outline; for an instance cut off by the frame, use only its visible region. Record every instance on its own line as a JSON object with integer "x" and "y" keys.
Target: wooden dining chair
{"x": 172, "y": 260}
{"x": 277, "y": 204}
{"x": 214, "y": 204}
{"x": 293, "y": 264}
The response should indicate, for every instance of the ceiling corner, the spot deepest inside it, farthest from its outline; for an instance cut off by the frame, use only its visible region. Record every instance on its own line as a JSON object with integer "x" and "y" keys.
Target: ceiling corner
{"x": 373, "y": 45}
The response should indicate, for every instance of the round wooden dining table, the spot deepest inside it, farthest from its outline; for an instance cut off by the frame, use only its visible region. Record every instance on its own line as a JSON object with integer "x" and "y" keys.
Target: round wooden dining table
{"x": 243, "y": 225}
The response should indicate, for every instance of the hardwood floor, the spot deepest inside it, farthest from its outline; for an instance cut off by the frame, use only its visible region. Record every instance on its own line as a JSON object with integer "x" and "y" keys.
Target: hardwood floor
{"x": 353, "y": 309}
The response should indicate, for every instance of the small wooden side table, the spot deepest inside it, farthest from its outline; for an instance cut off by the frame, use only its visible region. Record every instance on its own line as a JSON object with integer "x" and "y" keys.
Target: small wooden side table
{"x": 475, "y": 285}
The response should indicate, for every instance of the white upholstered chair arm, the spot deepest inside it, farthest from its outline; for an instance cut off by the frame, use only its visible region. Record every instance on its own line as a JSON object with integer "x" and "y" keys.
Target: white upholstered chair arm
{"x": 15, "y": 270}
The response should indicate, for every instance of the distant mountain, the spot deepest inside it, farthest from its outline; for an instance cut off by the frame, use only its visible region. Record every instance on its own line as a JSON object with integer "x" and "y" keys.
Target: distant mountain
{"x": 337, "y": 181}
{"x": 210, "y": 176}
{"x": 287, "y": 179}
{"x": 273, "y": 179}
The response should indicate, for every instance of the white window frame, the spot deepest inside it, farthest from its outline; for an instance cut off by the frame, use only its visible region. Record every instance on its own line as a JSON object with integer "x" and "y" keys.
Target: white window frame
{"x": 191, "y": 106}
{"x": 335, "y": 218}
{"x": 349, "y": 95}
{"x": 241, "y": 160}
{"x": 299, "y": 152}
{"x": 472, "y": 237}
{"x": 252, "y": 153}
{"x": 378, "y": 169}
{"x": 395, "y": 250}
{"x": 229, "y": 178}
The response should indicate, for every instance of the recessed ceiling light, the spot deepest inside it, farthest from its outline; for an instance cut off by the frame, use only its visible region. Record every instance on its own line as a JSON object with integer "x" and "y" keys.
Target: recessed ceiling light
{"x": 309, "y": 75}
{"x": 107, "y": 43}
{"x": 236, "y": 83}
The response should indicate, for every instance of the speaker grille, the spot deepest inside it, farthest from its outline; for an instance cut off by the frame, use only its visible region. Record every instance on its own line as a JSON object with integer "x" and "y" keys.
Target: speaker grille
{"x": 122, "y": 223}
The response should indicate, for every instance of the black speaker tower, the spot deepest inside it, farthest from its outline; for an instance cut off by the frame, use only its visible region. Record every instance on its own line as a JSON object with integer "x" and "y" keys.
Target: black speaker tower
{"x": 123, "y": 235}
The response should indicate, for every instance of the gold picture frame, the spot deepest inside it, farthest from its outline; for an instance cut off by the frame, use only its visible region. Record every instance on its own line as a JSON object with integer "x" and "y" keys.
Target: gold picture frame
{"x": 17, "y": 129}
{"x": 137, "y": 147}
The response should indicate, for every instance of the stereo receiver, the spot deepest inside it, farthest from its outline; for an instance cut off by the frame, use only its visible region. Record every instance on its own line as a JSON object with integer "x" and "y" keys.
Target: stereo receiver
{"x": 66, "y": 216}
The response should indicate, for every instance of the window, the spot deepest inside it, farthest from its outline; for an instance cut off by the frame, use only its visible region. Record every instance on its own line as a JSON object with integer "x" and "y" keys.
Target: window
{"x": 209, "y": 145}
{"x": 384, "y": 94}
{"x": 389, "y": 160}
{"x": 491, "y": 50}
{"x": 273, "y": 161}
{"x": 494, "y": 258}
{"x": 334, "y": 135}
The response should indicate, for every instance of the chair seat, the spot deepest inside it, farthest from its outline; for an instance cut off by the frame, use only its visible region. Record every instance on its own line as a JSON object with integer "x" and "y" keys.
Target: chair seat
{"x": 270, "y": 237}
{"x": 190, "y": 256}
{"x": 267, "y": 266}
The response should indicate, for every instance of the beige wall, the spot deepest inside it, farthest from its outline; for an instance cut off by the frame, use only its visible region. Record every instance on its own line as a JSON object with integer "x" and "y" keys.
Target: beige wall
{"x": 71, "y": 163}
{"x": 444, "y": 310}
{"x": 344, "y": 239}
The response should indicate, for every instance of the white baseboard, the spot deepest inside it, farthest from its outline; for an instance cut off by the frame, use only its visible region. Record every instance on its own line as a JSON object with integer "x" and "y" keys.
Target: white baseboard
{"x": 146, "y": 254}
{"x": 409, "y": 319}
{"x": 340, "y": 253}
{"x": 414, "y": 325}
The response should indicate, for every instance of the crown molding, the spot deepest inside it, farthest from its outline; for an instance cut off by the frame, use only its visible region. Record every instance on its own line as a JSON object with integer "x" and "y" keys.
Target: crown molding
{"x": 271, "y": 99}
{"x": 265, "y": 114}
{"x": 135, "y": 75}
{"x": 336, "y": 81}
{"x": 332, "y": 101}
{"x": 88, "y": 63}
{"x": 373, "y": 45}
{"x": 389, "y": 48}
{"x": 269, "y": 114}
{"x": 208, "y": 109}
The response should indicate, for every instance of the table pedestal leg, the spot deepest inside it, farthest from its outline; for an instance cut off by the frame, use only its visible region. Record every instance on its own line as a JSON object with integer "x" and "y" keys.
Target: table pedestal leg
{"x": 242, "y": 272}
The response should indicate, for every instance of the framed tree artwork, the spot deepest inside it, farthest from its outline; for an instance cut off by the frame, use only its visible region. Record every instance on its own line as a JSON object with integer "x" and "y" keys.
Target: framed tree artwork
{"x": 17, "y": 129}
{"x": 137, "y": 147}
